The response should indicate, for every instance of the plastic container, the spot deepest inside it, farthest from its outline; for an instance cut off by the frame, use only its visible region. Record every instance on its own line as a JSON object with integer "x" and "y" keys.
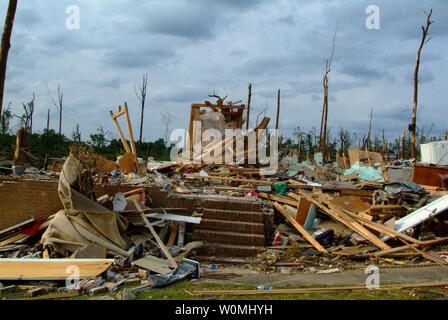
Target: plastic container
{"x": 278, "y": 239}
{"x": 265, "y": 288}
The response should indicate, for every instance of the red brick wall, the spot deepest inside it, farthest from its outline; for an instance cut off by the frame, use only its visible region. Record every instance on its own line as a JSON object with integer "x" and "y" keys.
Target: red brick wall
{"x": 24, "y": 199}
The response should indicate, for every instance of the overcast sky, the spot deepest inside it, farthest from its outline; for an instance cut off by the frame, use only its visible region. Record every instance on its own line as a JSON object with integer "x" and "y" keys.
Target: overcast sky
{"x": 189, "y": 48}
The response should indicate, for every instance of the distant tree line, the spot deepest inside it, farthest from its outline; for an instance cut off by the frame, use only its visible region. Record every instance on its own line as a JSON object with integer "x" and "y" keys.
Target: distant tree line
{"x": 54, "y": 145}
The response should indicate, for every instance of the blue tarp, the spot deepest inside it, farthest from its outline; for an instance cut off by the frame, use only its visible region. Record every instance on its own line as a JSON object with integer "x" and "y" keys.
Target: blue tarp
{"x": 365, "y": 172}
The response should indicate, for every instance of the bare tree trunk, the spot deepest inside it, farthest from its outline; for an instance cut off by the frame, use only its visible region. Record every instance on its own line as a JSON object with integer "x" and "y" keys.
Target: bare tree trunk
{"x": 141, "y": 95}
{"x": 324, "y": 134}
{"x": 417, "y": 66}
{"x": 60, "y": 98}
{"x": 48, "y": 129}
{"x": 59, "y": 105}
{"x": 248, "y": 106}
{"x": 278, "y": 109}
{"x": 167, "y": 118}
{"x": 369, "y": 139}
{"x": 323, "y": 138}
{"x": 6, "y": 44}
{"x": 403, "y": 144}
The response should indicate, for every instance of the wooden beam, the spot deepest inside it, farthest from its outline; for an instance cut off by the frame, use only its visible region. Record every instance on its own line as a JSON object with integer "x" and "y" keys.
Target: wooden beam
{"x": 311, "y": 290}
{"x": 250, "y": 181}
{"x": 131, "y": 135}
{"x": 303, "y": 207}
{"x": 280, "y": 199}
{"x": 51, "y": 269}
{"x": 154, "y": 233}
{"x": 123, "y": 140}
{"x": 343, "y": 218}
{"x": 118, "y": 114}
{"x": 406, "y": 247}
{"x": 380, "y": 228}
{"x": 299, "y": 228}
{"x": 175, "y": 228}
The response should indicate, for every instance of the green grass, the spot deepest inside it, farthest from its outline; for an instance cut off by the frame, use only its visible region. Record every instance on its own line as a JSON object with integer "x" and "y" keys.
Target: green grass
{"x": 177, "y": 291}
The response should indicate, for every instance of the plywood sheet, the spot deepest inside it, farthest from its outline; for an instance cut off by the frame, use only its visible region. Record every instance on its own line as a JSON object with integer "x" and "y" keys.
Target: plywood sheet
{"x": 153, "y": 264}
{"x": 51, "y": 269}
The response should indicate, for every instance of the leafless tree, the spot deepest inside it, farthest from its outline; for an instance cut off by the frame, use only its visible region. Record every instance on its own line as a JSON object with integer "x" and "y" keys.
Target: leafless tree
{"x": 141, "y": 95}
{"x": 323, "y": 125}
{"x": 5, "y": 45}
{"x": 76, "y": 134}
{"x": 167, "y": 119}
{"x": 58, "y": 105}
{"x": 412, "y": 127}
{"x": 26, "y": 119}
{"x": 369, "y": 139}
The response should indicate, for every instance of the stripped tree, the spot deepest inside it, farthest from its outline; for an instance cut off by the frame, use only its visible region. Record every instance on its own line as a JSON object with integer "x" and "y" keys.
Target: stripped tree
{"x": 26, "y": 119}
{"x": 413, "y": 125}
{"x": 167, "y": 119}
{"x": 141, "y": 95}
{"x": 58, "y": 105}
{"x": 323, "y": 124}
{"x": 6, "y": 44}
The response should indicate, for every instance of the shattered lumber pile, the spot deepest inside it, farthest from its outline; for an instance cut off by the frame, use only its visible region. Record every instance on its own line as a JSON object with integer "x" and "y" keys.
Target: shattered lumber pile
{"x": 92, "y": 241}
{"x": 328, "y": 219}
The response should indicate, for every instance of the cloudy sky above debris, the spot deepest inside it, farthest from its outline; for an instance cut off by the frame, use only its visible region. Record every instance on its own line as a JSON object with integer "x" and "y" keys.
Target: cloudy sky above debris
{"x": 190, "y": 48}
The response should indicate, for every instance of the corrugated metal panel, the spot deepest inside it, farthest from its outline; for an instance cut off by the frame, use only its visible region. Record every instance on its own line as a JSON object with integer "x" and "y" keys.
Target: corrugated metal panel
{"x": 435, "y": 152}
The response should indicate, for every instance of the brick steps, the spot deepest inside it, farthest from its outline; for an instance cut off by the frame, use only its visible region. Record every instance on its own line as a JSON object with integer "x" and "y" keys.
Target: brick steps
{"x": 225, "y": 237}
{"x": 233, "y": 226}
{"x": 234, "y": 215}
{"x": 242, "y": 205}
{"x": 219, "y": 249}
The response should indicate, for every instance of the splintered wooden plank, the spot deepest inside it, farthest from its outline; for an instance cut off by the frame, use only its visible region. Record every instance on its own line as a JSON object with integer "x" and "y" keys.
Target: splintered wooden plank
{"x": 120, "y": 132}
{"x": 309, "y": 290}
{"x": 118, "y": 114}
{"x": 280, "y": 199}
{"x": 153, "y": 264}
{"x": 131, "y": 135}
{"x": 353, "y": 224}
{"x": 299, "y": 228}
{"x": 154, "y": 233}
{"x": 51, "y": 269}
{"x": 13, "y": 239}
{"x": 343, "y": 218}
{"x": 303, "y": 207}
{"x": 381, "y": 228}
{"x": 352, "y": 203}
{"x": 174, "y": 229}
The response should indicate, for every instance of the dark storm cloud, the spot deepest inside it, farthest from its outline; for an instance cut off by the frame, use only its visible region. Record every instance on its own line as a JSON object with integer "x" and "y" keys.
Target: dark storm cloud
{"x": 184, "y": 94}
{"x": 108, "y": 83}
{"x": 138, "y": 57}
{"x": 363, "y": 72}
{"x": 191, "y": 21}
{"x": 27, "y": 17}
{"x": 191, "y": 47}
